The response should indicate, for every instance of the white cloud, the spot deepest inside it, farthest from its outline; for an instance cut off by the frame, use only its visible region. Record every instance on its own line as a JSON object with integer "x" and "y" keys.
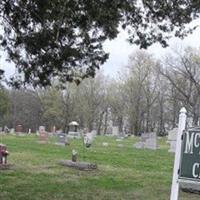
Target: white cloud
{"x": 120, "y": 49}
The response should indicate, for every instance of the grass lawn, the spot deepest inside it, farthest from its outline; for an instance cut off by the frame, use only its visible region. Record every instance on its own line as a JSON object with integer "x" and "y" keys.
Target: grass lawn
{"x": 123, "y": 173}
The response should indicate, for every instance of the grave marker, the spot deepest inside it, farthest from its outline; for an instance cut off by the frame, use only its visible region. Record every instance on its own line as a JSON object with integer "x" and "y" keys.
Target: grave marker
{"x": 115, "y": 130}
{"x": 88, "y": 139}
{"x": 147, "y": 141}
{"x": 62, "y": 139}
{"x": 172, "y": 139}
{"x": 42, "y": 135}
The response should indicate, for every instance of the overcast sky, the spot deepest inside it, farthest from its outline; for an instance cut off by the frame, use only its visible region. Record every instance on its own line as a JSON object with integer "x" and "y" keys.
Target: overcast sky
{"x": 120, "y": 50}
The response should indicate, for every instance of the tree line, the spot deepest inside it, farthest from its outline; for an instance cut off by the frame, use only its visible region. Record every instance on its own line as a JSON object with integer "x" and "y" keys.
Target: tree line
{"x": 145, "y": 97}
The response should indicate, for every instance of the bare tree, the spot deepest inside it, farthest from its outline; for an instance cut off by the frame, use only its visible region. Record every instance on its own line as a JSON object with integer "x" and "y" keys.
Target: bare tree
{"x": 183, "y": 72}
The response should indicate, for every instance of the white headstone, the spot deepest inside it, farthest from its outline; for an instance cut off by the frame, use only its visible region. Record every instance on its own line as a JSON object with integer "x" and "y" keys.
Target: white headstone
{"x": 62, "y": 140}
{"x": 172, "y": 139}
{"x": 148, "y": 141}
{"x": 151, "y": 143}
{"x": 139, "y": 145}
{"x": 115, "y": 130}
{"x": 94, "y": 133}
{"x": 12, "y": 130}
{"x": 88, "y": 139}
{"x": 104, "y": 144}
{"x": 119, "y": 140}
{"x": 41, "y": 129}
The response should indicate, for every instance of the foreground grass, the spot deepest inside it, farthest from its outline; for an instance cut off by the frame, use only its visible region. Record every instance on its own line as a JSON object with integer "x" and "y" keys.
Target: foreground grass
{"x": 123, "y": 173}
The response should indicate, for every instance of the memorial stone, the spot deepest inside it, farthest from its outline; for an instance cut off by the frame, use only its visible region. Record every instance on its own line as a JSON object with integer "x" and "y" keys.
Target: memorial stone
{"x": 172, "y": 139}
{"x": 147, "y": 141}
{"x": 42, "y": 135}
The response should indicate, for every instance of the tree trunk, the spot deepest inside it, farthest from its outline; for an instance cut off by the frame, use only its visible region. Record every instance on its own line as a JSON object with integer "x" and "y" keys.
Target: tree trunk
{"x": 106, "y": 122}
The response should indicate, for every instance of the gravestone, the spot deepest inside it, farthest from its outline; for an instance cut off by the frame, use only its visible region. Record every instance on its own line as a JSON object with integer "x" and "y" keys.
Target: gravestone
{"x": 12, "y": 131}
{"x": 94, "y": 133}
{"x": 147, "y": 141}
{"x": 88, "y": 139}
{"x": 3, "y": 157}
{"x": 42, "y": 135}
{"x": 115, "y": 130}
{"x": 120, "y": 145}
{"x": 151, "y": 142}
{"x": 29, "y": 131}
{"x": 105, "y": 144}
{"x": 19, "y": 128}
{"x": 62, "y": 139}
{"x": 119, "y": 140}
{"x": 172, "y": 139}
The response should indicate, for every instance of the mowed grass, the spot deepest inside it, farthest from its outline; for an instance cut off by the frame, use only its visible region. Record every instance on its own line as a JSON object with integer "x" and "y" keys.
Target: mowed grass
{"x": 123, "y": 173}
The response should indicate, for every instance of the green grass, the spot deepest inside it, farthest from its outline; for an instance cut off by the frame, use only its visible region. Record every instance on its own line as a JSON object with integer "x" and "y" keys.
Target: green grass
{"x": 123, "y": 173}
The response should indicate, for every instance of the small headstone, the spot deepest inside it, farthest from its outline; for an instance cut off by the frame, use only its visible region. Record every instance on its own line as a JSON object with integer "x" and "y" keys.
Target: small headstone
{"x": 148, "y": 141}
{"x": 42, "y": 135}
{"x": 88, "y": 139}
{"x": 120, "y": 145}
{"x": 62, "y": 140}
{"x": 151, "y": 142}
{"x": 139, "y": 145}
{"x": 172, "y": 134}
{"x": 94, "y": 133}
{"x": 104, "y": 144}
{"x": 115, "y": 130}
{"x": 119, "y": 140}
{"x": 12, "y": 130}
{"x": 19, "y": 128}
{"x": 172, "y": 139}
{"x": 41, "y": 129}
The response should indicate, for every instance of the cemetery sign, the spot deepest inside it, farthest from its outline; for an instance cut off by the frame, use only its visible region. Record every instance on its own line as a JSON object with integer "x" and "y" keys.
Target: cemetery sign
{"x": 190, "y": 155}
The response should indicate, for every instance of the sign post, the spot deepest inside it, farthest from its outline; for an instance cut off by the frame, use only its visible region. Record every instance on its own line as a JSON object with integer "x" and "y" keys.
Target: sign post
{"x": 181, "y": 127}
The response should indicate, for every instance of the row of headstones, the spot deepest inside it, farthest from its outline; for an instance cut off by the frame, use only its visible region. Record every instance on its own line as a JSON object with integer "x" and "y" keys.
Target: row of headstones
{"x": 149, "y": 141}
{"x": 63, "y": 139}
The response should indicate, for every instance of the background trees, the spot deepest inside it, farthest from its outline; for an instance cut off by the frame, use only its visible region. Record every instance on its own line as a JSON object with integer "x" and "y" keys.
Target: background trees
{"x": 145, "y": 97}
{"x": 25, "y": 109}
{"x": 4, "y": 105}
{"x": 183, "y": 73}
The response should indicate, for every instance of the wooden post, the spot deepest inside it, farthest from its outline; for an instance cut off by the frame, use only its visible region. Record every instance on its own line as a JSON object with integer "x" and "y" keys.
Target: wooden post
{"x": 181, "y": 127}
